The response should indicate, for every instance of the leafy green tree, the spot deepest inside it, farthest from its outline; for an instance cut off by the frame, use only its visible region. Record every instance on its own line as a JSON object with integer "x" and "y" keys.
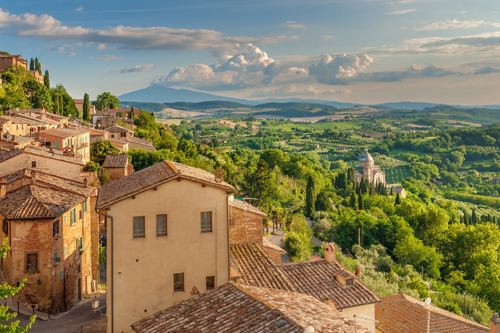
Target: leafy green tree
{"x": 106, "y": 100}
{"x": 352, "y": 200}
{"x": 86, "y": 107}
{"x": 46, "y": 79}
{"x": 63, "y": 103}
{"x": 310, "y": 196}
{"x": 8, "y": 324}
{"x": 361, "y": 205}
{"x": 100, "y": 149}
{"x": 412, "y": 251}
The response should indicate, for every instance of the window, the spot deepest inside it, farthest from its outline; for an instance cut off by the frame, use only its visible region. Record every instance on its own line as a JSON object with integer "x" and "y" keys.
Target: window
{"x": 56, "y": 145}
{"x": 55, "y": 228}
{"x": 206, "y": 221}
{"x": 33, "y": 164}
{"x": 85, "y": 207}
{"x": 72, "y": 217}
{"x": 139, "y": 227}
{"x": 210, "y": 282}
{"x": 5, "y": 227}
{"x": 80, "y": 213}
{"x": 79, "y": 244}
{"x": 178, "y": 282}
{"x": 161, "y": 225}
{"x": 32, "y": 262}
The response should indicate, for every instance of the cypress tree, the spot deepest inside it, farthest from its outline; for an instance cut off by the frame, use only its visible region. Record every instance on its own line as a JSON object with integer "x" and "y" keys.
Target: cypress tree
{"x": 37, "y": 66}
{"x": 32, "y": 64}
{"x": 397, "y": 201}
{"x": 86, "y": 107}
{"x": 352, "y": 200}
{"x": 46, "y": 79}
{"x": 310, "y": 196}
{"x": 361, "y": 205}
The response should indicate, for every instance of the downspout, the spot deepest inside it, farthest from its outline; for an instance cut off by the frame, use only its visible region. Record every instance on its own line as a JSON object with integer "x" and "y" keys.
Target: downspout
{"x": 112, "y": 267}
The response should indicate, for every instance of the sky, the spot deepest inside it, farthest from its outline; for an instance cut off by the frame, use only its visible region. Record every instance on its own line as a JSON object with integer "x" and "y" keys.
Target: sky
{"x": 362, "y": 51}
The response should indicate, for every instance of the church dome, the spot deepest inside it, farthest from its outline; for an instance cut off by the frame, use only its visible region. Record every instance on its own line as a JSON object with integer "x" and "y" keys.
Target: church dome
{"x": 365, "y": 157}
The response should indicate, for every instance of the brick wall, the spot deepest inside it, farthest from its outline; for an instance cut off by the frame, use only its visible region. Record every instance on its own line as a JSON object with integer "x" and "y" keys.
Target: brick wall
{"x": 244, "y": 226}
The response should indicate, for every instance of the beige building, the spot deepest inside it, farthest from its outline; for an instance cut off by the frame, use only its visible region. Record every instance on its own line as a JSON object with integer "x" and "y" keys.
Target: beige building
{"x": 43, "y": 160}
{"x": 8, "y": 60}
{"x": 74, "y": 142}
{"x": 47, "y": 223}
{"x": 167, "y": 236}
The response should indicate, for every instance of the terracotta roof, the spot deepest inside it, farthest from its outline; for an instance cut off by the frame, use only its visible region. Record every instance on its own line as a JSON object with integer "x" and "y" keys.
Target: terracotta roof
{"x": 117, "y": 129}
{"x": 243, "y": 309}
{"x": 315, "y": 278}
{"x": 401, "y": 313}
{"x": 116, "y": 161}
{"x": 139, "y": 143}
{"x": 150, "y": 177}
{"x": 240, "y": 204}
{"x": 64, "y": 132}
{"x": 36, "y": 202}
{"x": 318, "y": 279}
{"x": 268, "y": 244}
{"x": 256, "y": 268}
{"x": 5, "y": 155}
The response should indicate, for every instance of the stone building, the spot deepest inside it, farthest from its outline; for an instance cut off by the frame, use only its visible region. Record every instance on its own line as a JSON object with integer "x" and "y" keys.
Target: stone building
{"x": 167, "y": 236}
{"x": 368, "y": 170}
{"x": 117, "y": 166}
{"x": 47, "y": 222}
{"x": 8, "y": 60}
{"x": 75, "y": 142}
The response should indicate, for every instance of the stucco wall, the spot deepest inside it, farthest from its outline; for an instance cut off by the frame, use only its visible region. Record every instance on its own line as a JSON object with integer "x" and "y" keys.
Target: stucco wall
{"x": 142, "y": 282}
{"x": 362, "y": 312}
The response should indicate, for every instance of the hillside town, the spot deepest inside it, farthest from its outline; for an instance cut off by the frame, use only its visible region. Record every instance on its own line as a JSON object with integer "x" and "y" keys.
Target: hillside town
{"x": 170, "y": 247}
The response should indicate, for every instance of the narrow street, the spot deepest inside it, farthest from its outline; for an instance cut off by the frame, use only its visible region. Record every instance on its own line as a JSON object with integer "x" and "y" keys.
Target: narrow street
{"x": 80, "y": 316}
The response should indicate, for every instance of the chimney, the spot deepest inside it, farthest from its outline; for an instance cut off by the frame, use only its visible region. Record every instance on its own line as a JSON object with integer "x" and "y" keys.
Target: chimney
{"x": 495, "y": 323}
{"x": 357, "y": 272}
{"x": 33, "y": 177}
{"x": 3, "y": 188}
{"x": 330, "y": 253}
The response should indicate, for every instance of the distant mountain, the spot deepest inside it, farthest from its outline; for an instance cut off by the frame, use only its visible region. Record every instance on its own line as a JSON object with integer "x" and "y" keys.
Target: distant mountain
{"x": 408, "y": 105}
{"x": 158, "y": 93}
{"x": 339, "y": 105}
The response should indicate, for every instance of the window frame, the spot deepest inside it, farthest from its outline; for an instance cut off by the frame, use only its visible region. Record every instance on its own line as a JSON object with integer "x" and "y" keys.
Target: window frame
{"x": 179, "y": 286}
{"x": 203, "y": 225}
{"x": 210, "y": 282}
{"x": 135, "y": 234}
{"x": 32, "y": 270}
{"x": 165, "y": 233}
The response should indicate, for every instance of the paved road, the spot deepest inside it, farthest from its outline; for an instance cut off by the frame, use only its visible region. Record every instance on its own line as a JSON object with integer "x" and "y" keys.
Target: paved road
{"x": 72, "y": 321}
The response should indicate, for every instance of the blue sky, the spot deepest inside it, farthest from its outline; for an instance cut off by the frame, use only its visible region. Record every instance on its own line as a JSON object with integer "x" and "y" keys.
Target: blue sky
{"x": 365, "y": 51}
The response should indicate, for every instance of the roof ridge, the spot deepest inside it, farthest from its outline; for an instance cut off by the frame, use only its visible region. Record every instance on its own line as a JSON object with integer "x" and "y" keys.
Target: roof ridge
{"x": 172, "y": 166}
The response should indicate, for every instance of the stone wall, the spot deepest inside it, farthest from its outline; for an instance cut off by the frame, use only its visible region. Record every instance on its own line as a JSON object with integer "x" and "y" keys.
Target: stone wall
{"x": 244, "y": 226}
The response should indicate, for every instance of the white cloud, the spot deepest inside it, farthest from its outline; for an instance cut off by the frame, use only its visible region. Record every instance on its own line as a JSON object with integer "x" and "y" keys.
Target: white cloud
{"x": 138, "y": 69}
{"x": 452, "y": 24}
{"x": 110, "y": 57}
{"x": 294, "y": 25}
{"x": 79, "y": 9}
{"x": 328, "y": 37}
{"x": 247, "y": 66}
{"x": 401, "y": 11}
{"x": 64, "y": 49}
{"x": 48, "y": 27}
{"x": 338, "y": 69}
